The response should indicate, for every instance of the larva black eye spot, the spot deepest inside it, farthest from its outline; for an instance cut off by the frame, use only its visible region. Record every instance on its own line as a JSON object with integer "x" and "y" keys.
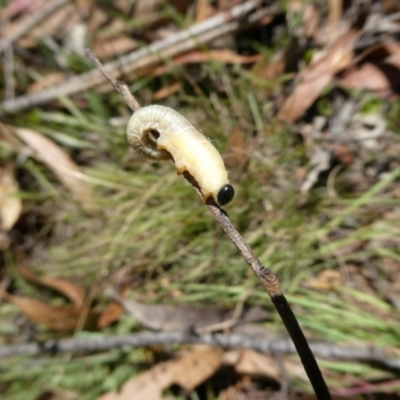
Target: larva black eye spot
{"x": 225, "y": 195}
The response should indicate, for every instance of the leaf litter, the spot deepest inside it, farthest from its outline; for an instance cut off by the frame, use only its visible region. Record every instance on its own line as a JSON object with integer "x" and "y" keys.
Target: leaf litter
{"x": 54, "y": 317}
{"x": 343, "y": 107}
{"x": 188, "y": 371}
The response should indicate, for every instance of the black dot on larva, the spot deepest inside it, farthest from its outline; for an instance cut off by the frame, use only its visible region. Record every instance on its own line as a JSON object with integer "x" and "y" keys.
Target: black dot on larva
{"x": 225, "y": 195}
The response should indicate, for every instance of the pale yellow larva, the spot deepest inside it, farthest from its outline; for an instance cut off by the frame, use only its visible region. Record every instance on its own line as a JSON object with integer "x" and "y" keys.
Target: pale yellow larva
{"x": 159, "y": 133}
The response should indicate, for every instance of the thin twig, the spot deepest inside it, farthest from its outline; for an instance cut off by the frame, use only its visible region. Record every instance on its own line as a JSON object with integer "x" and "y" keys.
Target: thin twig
{"x": 273, "y": 346}
{"x": 32, "y": 20}
{"x": 120, "y": 87}
{"x": 268, "y": 279}
{"x": 163, "y": 50}
{"x": 271, "y": 284}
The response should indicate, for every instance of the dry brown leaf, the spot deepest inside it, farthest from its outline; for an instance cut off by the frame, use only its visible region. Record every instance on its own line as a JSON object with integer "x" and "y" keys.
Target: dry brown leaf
{"x": 47, "y": 81}
{"x": 311, "y": 19}
{"x": 335, "y": 15}
{"x": 84, "y": 7}
{"x": 197, "y": 56}
{"x": 60, "y": 163}
{"x": 317, "y": 76}
{"x": 54, "y": 317}
{"x": 60, "y": 19}
{"x": 380, "y": 78}
{"x": 110, "y": 315}
{"x": 10, "y": 204}
{"x": 326, "y": 280}
{"x": 377, "y": 70}
{"x": 167, "y": 91}
{"x": 251, "y": 362}
{"x": 203, "y": 10}
{"x": 226, "y": 56}
{"x": 73, "y": 292}
{"x": 108, "y": 47}
{"x": 188, "y": 371}
{"x": 391, "y": 6}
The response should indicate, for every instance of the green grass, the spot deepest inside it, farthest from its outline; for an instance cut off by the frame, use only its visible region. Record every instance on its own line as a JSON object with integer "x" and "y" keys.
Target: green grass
{"x": 149, "y": 220}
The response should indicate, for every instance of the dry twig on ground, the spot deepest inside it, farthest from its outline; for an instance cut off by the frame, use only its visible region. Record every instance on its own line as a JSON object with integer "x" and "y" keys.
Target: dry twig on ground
{"x": 324, "y": 350}
{"x": 201, "y": 33}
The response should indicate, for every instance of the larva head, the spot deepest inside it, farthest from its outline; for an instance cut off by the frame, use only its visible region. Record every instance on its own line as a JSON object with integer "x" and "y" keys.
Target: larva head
{"x": 225, "y": 195}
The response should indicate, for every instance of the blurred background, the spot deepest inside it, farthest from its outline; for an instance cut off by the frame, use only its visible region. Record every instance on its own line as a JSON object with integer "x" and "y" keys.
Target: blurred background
{"x": 302, "y": 100}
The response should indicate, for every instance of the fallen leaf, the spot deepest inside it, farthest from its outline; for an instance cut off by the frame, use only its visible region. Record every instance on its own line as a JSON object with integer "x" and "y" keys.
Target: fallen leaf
{"x": 60, "y": 163}
{"x": 67, "y": 14}
{"x": 167, "y": 91}
{"x": 197, "y": 56}
{"x": 317, "y": 76}
{"x": 376, "y": 69}
{"x": 203, "y": 10}
{"x": 10, "y": 203}
{"x": 48, "y": 80}
{"x": 84, "y": 7}
{"x": 188, "y": 371}
{"x": 380, "y": 78}
{"x": 326, "y": 280}
{"x": 105, "y": 48}
{"x": 226, "y": 56}
{"x": 110, "y": 315}
{"x": 54, "y": 317}
{"x": 335, "y": 16}
{"x": 73, "y": 292}
{"x": 390, "y": 6}
{"x": 251, "y": 362}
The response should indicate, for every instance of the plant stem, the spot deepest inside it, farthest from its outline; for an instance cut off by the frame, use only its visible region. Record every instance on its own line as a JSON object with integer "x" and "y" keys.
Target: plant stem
{"x": 268, "y": 279}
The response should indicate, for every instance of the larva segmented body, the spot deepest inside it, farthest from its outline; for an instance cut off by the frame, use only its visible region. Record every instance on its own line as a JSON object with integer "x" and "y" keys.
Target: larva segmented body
{"x": 160, "y": 133}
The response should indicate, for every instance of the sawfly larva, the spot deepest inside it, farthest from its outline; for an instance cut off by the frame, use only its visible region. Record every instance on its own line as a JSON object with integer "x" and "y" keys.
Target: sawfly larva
{"x": 161, "y": 133}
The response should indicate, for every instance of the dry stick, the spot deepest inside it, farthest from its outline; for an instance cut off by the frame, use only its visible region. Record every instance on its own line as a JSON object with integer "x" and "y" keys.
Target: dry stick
{"x": 268, "y": 279}
{"x": 271, "y": 284}
{"x": 30, "y": 22}
{"x": 327, "y": 350}
{"x": 120, "y": 87}
{"x": 219, "y": 25}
